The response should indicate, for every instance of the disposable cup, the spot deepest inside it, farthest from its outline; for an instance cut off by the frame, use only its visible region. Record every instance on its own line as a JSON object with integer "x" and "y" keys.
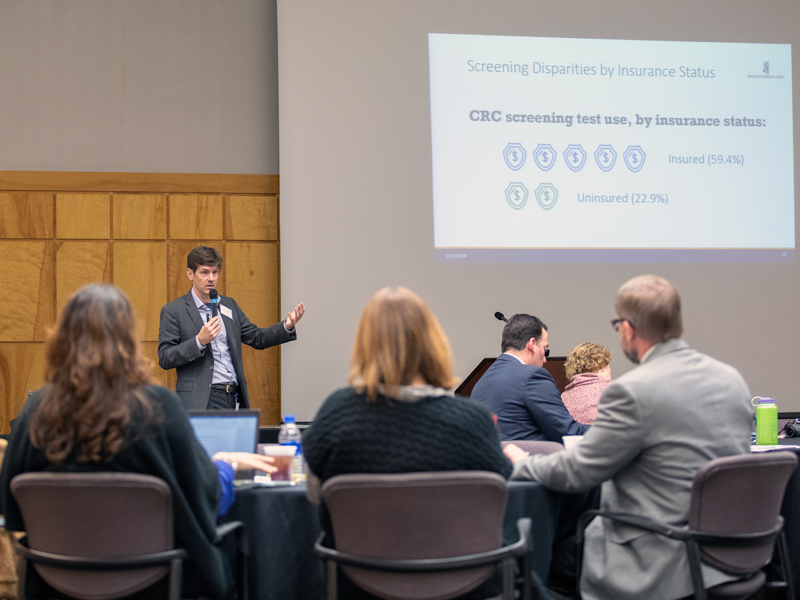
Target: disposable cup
{"x": 283, "y": 456}
{"x": 570, "y": 441}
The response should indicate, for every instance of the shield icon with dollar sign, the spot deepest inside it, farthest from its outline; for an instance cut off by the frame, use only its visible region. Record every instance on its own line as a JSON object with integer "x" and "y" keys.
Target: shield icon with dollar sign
{"x": 516, "y": 194}
{"x": 546, "y": 195}
{"x": 514, "y": 155}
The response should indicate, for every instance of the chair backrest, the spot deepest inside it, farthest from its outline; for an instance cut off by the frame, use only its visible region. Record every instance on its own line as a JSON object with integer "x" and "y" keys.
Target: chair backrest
{"x": 740, "y": 494}
{"x": 534, "y": 447}
{"x": 96, "y": 515}
{"x": 417, "y": 516}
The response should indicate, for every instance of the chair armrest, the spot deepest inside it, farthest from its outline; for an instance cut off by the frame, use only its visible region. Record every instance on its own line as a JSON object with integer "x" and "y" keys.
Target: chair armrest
{"x": 675, "y": 533}
{"x": 241, "y": 535}
{"x": 94, "y": 563}
{"x": 429, "y": 565}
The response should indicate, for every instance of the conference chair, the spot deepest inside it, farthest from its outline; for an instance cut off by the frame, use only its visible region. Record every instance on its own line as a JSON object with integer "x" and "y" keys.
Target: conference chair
{"x": 535, "y": 447}
{"x": 734, "y": 523}
{"x": 105, "y": 535}
{"x": 422, "y": 535}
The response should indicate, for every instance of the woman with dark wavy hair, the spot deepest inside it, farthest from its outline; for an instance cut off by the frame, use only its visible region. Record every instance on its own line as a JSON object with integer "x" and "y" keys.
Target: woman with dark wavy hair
{"x": 100, "y": 412}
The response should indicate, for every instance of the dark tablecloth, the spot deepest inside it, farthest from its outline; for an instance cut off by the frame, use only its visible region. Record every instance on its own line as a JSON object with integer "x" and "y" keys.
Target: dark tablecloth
{"x": 282, "y": 527}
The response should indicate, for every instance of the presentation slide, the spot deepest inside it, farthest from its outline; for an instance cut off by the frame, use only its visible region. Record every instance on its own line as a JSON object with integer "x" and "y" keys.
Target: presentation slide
{"x": 590, "y": 150}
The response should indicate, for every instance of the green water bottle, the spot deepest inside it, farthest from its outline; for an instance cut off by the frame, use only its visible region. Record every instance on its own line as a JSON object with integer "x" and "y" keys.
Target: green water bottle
{"x": 766, "y": 422}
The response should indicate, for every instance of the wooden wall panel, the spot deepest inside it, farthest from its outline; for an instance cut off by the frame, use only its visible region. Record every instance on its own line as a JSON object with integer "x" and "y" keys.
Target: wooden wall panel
{"x": 263, "y": 371}
{"x": 194, "y": 217}
{"x": 29, "y": 311}
{"x": 179, "y": 283}
{"x": 21, "y": 370}
{"x": 251, "y": 276}
{"x": 140, "y": 270}
{"x": 24, "y": 215}
{"x": 60, "y": 231}
{"x": 140, "y": 217}
{"x": 162, "y": 377}
{"x": 79, "y": 263}
{"x": 83, "y": 216}
{"x": 251, "y": 217}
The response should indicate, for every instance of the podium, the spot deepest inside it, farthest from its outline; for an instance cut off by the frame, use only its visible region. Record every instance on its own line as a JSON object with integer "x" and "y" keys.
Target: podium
{"x": 554, "y": 366}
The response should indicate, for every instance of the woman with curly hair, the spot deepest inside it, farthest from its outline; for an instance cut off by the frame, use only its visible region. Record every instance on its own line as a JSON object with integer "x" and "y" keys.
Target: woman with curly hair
{"x": 100, "y": 412}
{"x": 589, "y": 373}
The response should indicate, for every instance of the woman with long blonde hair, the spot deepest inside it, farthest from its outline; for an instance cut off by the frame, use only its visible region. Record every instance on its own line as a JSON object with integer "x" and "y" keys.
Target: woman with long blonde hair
{"x": 396, "y": 415}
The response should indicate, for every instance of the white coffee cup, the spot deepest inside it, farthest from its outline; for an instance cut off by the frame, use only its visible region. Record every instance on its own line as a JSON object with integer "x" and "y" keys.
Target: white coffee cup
{"x": 570, "y": 441}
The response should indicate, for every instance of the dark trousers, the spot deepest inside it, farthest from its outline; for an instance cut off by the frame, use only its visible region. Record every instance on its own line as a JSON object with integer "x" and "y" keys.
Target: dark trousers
{"x": 221, "y": 400}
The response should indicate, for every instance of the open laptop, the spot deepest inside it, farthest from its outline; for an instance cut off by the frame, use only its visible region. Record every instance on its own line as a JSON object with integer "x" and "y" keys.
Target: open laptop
{"x": 227, "y": 431}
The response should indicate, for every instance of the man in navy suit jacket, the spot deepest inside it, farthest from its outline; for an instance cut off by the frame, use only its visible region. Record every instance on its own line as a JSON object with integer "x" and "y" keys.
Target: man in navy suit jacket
{"x": 520, "y": 392}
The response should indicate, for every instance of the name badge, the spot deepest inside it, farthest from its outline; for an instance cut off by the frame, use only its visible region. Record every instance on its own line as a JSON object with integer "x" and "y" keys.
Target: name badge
{"x": 226, "y": 311}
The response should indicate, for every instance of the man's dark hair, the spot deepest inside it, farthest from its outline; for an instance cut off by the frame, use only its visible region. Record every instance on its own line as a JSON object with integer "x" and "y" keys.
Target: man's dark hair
{"x": 205, "y": 256}
{"x": 519, "y": 329}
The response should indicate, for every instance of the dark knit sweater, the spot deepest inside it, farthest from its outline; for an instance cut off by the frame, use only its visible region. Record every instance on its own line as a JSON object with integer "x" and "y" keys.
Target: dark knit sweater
{"x": 352, "y": 435}
{"x": 167, "y": 449}
{"x": 437, "y": 433}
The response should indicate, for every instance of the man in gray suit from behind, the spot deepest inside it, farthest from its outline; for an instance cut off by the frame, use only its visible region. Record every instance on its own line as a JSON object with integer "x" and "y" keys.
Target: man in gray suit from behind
{"x": 206, "y": 352}
{"x": 656, "y": 425}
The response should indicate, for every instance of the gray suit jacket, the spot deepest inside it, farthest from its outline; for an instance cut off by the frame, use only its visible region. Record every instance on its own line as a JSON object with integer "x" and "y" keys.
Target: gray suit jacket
{"x": 177, "y": 349}
{"x": 656, "y": 425}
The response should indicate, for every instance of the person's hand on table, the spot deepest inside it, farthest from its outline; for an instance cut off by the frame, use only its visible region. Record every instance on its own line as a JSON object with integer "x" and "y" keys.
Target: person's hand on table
{"x": 242, "y": 461}
{"x": 514, "y": 453}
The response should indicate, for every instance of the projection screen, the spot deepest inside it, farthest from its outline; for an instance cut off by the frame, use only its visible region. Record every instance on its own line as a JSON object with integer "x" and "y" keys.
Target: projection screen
{"x": 399, "y": 123}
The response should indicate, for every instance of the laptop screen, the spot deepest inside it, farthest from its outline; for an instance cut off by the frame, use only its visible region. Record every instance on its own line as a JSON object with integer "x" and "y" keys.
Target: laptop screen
{"x": 226, "y": 430}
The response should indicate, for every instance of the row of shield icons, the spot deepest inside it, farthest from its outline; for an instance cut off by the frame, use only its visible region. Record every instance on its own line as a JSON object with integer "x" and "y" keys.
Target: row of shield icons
{"x": 517, "y": 195}
{"x": 574, "y": 157}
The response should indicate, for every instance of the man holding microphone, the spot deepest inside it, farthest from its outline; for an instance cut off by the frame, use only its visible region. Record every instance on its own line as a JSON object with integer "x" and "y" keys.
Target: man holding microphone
{"x": 205, "y": 349}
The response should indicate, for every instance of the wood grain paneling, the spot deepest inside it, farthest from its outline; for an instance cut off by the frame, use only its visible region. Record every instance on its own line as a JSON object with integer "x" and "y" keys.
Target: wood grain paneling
{"x": 179, "y": 283}
{"x": 140, "y": 270}
{"x": 194, "y": 217}
{"x": 61, "y": 230}
{"x": 140, "y": 217}
{"x": 190, "y": 183}
{"x": 162, "y": 377}
{"x": 24, "y": 215}
{"x": 79, "y": 263}
{"x": 251, "y": 277}
{"x": 29, "y": 311}
{"x": 21, "y": 370}
{"x": 83, "y": 216}
{"x": 251, "y": 217}
{"x": 262, "y": 369}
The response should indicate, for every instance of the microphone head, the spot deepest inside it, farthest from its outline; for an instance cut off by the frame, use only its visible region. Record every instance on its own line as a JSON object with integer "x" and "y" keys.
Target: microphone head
{"x": 500, "y": 317}
{"x": 213, "y": 295}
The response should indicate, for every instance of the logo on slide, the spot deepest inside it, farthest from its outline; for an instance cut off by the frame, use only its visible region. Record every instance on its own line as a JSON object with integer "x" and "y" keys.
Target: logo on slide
{"x": 514, "y": 155}
{"x": 634, "y": 158}
{"x": 546, "y": 195}
{"x": 544, "y": 156}
{"x": 575, "y": 157}
{"x": 605, "y": 156}
{"x": 516, "y": 194}
{"x": 766, "y": 67}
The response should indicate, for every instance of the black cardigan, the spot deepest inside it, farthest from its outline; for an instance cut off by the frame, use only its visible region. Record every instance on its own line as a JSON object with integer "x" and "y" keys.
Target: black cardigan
{"x": 167, "y": 449}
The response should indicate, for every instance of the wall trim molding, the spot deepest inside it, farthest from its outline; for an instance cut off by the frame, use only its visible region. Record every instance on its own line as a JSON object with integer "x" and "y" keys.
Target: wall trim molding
{"x": 192, "y": 183}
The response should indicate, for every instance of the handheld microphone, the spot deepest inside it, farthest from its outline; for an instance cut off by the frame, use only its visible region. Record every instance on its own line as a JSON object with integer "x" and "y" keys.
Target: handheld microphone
{"x": 214, "y": 297}
{"x": 500, "y": 317}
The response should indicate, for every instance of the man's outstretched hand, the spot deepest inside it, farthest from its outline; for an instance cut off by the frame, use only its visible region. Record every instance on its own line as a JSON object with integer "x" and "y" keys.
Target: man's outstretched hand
{"x": 294, "y": 316}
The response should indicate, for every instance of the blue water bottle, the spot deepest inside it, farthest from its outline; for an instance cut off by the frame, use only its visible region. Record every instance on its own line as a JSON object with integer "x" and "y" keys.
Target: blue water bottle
{"x": 290, "y": 436}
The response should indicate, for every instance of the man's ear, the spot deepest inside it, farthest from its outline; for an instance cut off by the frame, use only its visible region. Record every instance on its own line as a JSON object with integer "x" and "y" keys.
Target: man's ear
{"x": 190, "y": 274}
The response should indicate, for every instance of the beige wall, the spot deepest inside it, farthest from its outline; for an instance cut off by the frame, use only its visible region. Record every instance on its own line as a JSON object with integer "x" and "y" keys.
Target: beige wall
{"x": 163, "y": 86}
